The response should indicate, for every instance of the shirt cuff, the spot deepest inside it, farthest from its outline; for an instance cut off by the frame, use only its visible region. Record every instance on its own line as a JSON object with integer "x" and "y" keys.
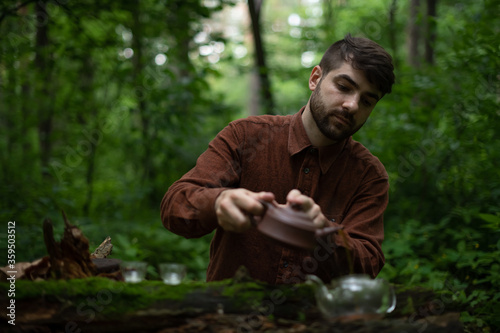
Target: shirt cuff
{"x": 205, "y": 203}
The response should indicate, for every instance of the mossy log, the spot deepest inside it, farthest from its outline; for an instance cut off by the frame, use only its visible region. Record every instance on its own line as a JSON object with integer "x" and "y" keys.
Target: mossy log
{"x": 71, "y": 291}
{"x": 103, "y": 305}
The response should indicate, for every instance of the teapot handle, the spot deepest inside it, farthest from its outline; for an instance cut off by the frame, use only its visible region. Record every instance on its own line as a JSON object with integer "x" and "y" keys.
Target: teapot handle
{"x": 392, "y": 298}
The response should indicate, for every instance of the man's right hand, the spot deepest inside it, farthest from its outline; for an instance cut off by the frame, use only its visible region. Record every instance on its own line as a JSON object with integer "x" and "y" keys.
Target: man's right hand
{"x": 234, "y": 206}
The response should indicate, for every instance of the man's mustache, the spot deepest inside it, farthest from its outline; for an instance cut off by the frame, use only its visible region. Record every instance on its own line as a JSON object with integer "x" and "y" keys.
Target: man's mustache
{"x": 344, "y": 114}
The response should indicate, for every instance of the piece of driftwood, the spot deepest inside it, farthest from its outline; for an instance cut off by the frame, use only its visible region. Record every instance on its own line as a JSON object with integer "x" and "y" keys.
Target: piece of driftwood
{"x": 69, "y": 258}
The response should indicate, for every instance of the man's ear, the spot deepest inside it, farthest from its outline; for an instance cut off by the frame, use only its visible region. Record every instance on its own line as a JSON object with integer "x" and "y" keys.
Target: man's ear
{"x": 315, "y": 77}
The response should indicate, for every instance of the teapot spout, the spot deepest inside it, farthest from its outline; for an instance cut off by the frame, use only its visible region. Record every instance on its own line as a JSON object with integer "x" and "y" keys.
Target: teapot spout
{"x": 323, "y": 296}
{"x": 317, "y": 283}
{"x": 313, "y": 279}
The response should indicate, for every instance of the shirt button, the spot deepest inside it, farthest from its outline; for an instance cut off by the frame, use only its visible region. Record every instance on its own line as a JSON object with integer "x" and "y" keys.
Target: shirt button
{"x": 333, "y": 220}
{"x": 306, "y": 170}
{"x": 313, "y": 150}
{"x": 285, "y": 264}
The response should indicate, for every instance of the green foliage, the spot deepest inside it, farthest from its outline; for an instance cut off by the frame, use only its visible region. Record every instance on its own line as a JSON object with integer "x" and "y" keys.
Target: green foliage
{"x": 123, "y": 128}
{"x": 436, "y": 136}
{"x": 91, "y": 128}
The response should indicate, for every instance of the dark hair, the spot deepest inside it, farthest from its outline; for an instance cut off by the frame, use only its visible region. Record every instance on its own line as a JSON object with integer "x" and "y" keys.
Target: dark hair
{"x": 365, "y": 55}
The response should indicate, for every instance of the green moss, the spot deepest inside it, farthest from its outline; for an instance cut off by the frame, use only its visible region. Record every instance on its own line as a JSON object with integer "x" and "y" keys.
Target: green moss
{"x": 118, "y": 297}
{"x": 251, "y": 293}
{"x": 109, "y": 297}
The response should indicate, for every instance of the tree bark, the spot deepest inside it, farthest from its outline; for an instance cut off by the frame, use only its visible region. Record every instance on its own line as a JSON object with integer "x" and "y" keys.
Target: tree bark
{"x": 266, "y": 98}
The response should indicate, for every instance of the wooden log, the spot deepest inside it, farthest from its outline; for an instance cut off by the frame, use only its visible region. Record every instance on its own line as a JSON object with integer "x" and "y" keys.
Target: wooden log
{"x": 103, "y": 305}
{"x": 76, "y": 301}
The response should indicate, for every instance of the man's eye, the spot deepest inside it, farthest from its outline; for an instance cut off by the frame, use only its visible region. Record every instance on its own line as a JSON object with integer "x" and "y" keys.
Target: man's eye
{"x": 366, "y": 102}
{"x": 342, "y": 87}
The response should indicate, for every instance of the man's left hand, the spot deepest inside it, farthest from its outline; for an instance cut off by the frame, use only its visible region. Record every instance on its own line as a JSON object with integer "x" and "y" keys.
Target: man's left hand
{"x": 308, "y": 206}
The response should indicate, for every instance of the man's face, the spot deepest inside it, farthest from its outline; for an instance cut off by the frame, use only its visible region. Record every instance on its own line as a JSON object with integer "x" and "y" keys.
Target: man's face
{"x": 341, "y": 101}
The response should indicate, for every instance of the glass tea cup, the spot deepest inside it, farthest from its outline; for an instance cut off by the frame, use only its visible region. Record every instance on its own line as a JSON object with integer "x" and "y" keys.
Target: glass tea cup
{"x": 172, "y": 273}
{"x": 133, "y": 271}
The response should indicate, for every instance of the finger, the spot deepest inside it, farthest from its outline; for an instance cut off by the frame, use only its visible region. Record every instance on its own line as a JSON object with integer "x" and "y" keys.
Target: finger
{"x": 250, "y": 203}
{"x": 234, "y": 207}
{"x": 266, "y": 196}
{"x": 294, "y": 199}
{"x": 299, "y": 200}
{"x": 293, "y": 195}
{"x": 231, "y": 218}
{"x": 228, "y": 210}
{"x": 235, "y": 226}
{"x": 314, "y": 211}
{"x": 320, "y": 221}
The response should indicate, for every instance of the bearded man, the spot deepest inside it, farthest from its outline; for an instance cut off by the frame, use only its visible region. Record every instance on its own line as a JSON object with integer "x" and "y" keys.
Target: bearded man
{"x": 308, "y": 161}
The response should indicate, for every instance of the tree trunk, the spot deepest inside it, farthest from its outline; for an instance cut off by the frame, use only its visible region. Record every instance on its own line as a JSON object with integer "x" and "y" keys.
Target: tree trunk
{"x": 181, "y": 21}
{"x": 327, "y": 13}
{"x": 254, "y": 99}
{"x": 8, "y": 112}
{"x": 265, "y": 94}
{"x": 90, "y": 179}
{"x": 329, "y": 20}
{"x": 430, "y": 31}
{"x": 43, "y": 67}
{"x": 88, "y": 117}
{"x": 414, "y": 34}
{"x": 393, "y": 32}
{"x": 140, "y": 89}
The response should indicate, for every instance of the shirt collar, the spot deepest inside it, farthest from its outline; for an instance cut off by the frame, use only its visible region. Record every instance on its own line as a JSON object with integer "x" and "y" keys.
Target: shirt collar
{"x": 297, "y": 136}
{"x": 298, "y": 141}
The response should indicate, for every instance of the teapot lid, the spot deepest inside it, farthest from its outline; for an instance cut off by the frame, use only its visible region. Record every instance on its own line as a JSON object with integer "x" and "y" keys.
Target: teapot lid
{"x": 291, "y": 216}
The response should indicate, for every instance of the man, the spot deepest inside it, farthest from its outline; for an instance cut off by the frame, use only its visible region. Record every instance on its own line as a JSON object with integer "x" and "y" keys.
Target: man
{"x": 308, "y": 160}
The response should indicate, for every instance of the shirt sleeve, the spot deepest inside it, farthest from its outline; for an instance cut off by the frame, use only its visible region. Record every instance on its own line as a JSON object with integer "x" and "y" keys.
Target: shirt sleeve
{"x": 187, "y": 209}
{"x": 358, "y": 246}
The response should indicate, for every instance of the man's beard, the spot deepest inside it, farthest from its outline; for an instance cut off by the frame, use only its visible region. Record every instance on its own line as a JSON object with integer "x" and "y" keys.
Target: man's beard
{"x": 323, "y": 119}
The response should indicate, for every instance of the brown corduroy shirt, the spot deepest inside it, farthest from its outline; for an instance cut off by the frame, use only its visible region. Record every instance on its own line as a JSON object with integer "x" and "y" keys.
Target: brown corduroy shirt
{"x": 274, "y": 154}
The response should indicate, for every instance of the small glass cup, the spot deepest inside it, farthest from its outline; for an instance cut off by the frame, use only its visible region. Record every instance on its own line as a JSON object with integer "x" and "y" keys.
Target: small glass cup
{"x": 133, "y": 271}
{"x": 172, "y": 273}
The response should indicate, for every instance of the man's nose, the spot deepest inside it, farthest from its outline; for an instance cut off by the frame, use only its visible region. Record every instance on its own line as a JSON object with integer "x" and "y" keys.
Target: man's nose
{"x": 351, "y": 104}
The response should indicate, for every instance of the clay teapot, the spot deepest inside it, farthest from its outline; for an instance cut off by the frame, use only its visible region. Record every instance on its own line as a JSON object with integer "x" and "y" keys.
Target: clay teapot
{"x": 290, "y": 225}
{"x": 354, "y": 297}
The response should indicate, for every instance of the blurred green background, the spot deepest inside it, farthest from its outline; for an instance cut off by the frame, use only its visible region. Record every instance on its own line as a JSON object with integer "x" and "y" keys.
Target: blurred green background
{"x": 104, "y": 104}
